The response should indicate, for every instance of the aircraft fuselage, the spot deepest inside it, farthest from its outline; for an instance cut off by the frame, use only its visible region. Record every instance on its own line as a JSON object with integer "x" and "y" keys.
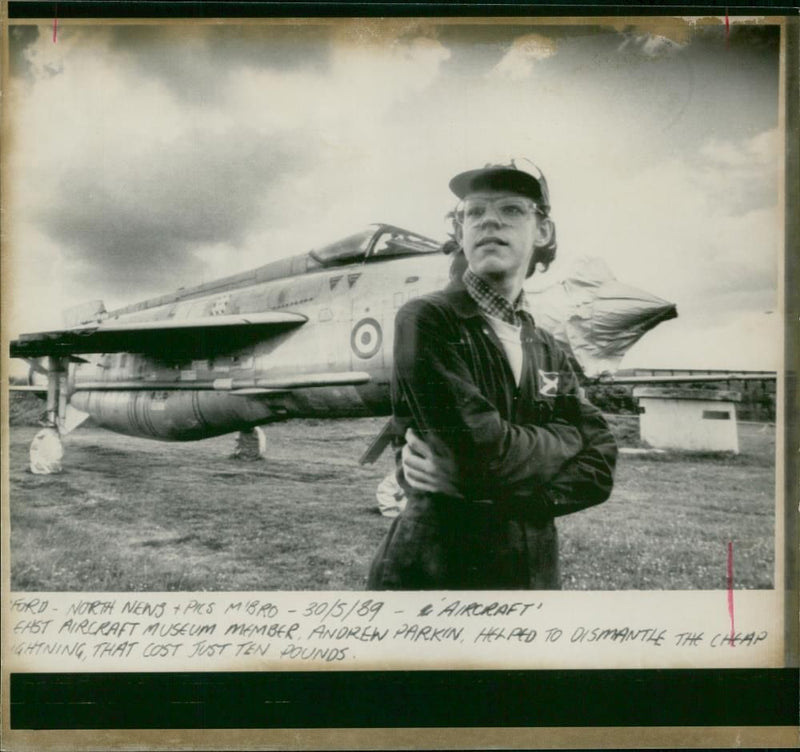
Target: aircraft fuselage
{"x": 310, "y": 335}
{"x": 348, "y": 336}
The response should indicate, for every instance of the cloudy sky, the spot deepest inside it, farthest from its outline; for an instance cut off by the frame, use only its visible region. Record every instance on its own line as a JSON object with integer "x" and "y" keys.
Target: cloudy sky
{"x": 143, "y": 158}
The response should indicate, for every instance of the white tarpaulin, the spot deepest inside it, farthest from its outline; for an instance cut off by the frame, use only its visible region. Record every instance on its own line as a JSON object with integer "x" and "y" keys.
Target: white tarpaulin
{"x": 597, "y": 317}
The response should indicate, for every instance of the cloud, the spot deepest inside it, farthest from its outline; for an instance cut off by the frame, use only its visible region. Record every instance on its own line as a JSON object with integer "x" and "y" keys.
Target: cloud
{"x": 650, "y": 45}
{"x": 518, "y": 63}
{"x": 196, "y": 62}
{"x": 750, "y": 168}
{"x": 759, "y": 151}
{"x": 655, "y": 37}
{"x": 351, "y": 95}
{"x": 20, "y": 38}
{"x": 123, "y": 177}
{"x": 746, "y": 340}
{"x": 673, "y": 225}
{"x": 136, "y": 185}
{"x": 137, "y": 225}
{"x": 37, "y": 278}
{"x": 145, "y": 158}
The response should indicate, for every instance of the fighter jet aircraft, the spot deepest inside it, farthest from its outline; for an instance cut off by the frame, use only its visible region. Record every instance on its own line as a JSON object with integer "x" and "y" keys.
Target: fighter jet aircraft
{"x": 310, "y": 335}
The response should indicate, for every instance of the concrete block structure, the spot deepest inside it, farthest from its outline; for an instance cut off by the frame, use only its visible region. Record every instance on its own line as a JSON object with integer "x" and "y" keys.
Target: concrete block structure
{"x": 694, "y": 419}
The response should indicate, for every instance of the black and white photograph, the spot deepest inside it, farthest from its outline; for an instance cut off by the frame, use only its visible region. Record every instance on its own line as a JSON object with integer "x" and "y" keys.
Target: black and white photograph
{"x": 394, "y": 304}
{"x": 432, "y": 367}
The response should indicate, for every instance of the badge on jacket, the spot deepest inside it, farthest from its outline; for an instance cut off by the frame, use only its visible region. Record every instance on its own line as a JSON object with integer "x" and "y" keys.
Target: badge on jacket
{"x": 548, "y": 383}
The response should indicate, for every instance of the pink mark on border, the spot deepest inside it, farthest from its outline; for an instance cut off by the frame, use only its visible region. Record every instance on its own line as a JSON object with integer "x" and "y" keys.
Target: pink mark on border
{"x": 730, "y": 590}
{"x": 55, "y": 29}
{"x": 727, "y": 29}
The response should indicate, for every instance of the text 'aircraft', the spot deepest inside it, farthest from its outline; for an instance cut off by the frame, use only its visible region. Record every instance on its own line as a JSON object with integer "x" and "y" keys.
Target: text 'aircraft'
{"x": 310, "y": 335}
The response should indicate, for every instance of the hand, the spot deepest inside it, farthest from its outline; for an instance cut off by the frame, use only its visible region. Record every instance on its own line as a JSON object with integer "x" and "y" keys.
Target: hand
{"x": 429, "y": 470}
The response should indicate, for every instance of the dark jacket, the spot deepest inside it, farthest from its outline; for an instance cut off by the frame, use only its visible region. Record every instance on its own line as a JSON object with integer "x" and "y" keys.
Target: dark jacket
{"x": 525, "y": 454}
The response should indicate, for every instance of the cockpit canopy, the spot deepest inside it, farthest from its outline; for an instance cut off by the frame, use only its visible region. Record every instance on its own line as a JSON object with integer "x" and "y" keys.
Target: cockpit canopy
{"x": 379, "y": 242}
{"x": 376, "y": 243}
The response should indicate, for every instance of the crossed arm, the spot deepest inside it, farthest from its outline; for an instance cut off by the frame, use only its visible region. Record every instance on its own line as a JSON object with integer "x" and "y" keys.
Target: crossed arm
{"x": 434, "y": 390}
{"x": 584, "y": 481}
{"x": 464, "y": 448}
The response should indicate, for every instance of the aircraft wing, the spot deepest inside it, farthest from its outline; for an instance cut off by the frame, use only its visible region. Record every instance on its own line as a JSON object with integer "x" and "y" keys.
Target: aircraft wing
{"x": 190, "y": 337}
{"x": 34, "y": 388}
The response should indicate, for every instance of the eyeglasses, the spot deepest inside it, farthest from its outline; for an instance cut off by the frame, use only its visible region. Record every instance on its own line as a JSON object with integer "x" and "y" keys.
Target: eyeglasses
{"x": 509, "y": 209}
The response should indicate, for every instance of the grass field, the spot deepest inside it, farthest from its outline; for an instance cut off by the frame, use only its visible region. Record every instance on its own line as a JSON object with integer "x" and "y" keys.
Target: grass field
{"x": 132, "y": 514}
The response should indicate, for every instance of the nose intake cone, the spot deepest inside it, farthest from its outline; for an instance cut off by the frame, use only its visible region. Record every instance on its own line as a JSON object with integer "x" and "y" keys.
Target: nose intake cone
{"x": 597, "y": 317}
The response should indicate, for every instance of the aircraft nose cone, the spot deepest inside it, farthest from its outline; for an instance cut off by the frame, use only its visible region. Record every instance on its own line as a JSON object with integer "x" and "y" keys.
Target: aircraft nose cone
{"x": 621, "y": 315}
{"x": 597, "y": 317}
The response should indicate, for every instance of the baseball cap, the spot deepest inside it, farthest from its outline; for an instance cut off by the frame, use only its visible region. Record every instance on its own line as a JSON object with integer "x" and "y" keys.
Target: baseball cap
{"x": 519, "y": 175}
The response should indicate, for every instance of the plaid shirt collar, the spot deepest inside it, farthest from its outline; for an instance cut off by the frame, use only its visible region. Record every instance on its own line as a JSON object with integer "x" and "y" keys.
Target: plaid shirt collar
{"x": 492, "y": 303}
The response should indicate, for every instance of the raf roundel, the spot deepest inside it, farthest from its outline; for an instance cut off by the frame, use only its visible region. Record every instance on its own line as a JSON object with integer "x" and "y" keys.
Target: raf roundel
{"x": 366, "y": 338}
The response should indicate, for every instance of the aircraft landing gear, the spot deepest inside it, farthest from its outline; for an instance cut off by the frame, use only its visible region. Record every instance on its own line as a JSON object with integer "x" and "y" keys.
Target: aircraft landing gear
{"x": 46, "y": 450}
